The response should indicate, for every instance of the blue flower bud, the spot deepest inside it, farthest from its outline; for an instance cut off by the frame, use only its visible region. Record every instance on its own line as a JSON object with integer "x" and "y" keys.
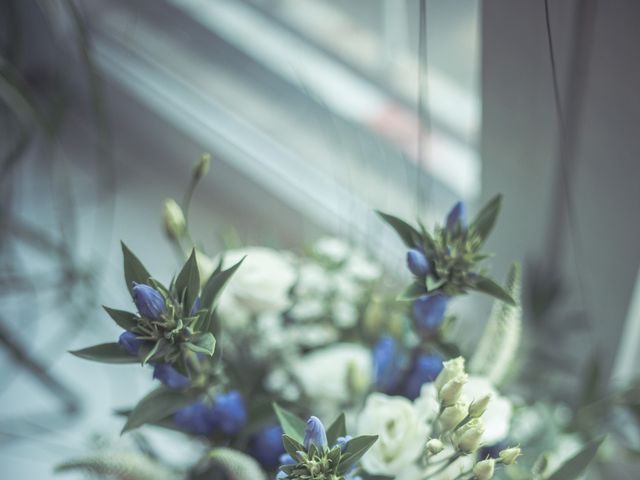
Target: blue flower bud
{"x": 197, "y": 303}
{"x": 170, "y": 376}
{"x": 229, "y": 413}
{"x": 315, "y": 434}
{"x": 425, "y": 369}
{"x": 195, "y": 418}
{"x": 148, "y": 300}
{"x": 417, "y": 262}
{"x": 342, "y": 442}
{"x": 286, "y": 459}
{"x": 129, "y": 341}
{"x": 281, "y": 476}
{"x": 266, "y": 446}
{"x": 428, "y": 312}
{"x": 457, "y": 216}
{"x": 388, "y": 363}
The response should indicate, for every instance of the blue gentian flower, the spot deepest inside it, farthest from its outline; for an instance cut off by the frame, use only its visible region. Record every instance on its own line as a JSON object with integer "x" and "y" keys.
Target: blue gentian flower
{"x": 417, "y": 262}
{"x": 315, "y": 434}
{"x": 148, "y": 300}
{"x": 425, "y": 369}
{"x": 195, "y": 418}
{"x": 170, "y": 376}
{"x": 428, "y": 312}
{"x": 457, "y": 217}
{"x": 129, "y": 341}
{"x": 266, "y": 446}
{"x": 342, "y": 442}
{"x": 388, "y": 362}
{"x": 197, "y": 303}
{"x": 281, "y": 476}
{"x": 286, "y": 459}
{"x": 229, "y": 413}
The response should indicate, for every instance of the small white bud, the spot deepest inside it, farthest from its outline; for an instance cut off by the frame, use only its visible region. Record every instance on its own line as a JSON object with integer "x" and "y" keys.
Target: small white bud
{"x": 450, "y": 370}
{"x": 509, "y": 455}
{"x": 435, "y": 446}
{"x": 451, "y": 416}
{"x": 478, "y": 407}
{"x": 201, "y": 167}
{"x": 450, "y": 392}
{"x": 485, "y": 469}
{"x": 469, "y": 436}
{"x": 173, "y": 219}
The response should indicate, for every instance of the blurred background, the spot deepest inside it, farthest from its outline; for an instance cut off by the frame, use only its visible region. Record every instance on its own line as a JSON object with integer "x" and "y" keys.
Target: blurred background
{"x": 311, "y": 110}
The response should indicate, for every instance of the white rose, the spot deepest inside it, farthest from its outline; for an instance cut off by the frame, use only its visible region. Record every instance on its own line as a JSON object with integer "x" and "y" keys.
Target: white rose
{"x": 312, "y": 280}
{"x": 362, "y": 269}
{"x": 402, "y": 434}
{"x": 333, "y": 249}
{"x": 261, "y": 284}
{"x": 496, "y": 418}
{"x": 323, "y": 374}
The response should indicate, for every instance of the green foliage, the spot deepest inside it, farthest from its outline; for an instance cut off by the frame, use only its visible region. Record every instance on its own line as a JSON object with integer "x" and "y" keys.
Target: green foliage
{"x": 134, "y": 270}
{"x": 576, "y": 465}
{"x": 291, "y": 424}
{"x": 105, "y": 353}
{"x": 454, "y": 256}
{"x": 119, "y": 466}
{"x": 156, "y": 406}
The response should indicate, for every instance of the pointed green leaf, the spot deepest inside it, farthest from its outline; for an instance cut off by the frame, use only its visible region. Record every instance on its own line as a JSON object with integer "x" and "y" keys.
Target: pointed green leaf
{"x": 106, "y": 353}
{"x": 157, "y": 405}
{"x": 126, "y": 320}
{"x": 337, "y": 429}
{"x": 187, "y": 283}
{"x": 413, "y": 291}
{"x": 134, "y": 270}
{"x": 576, "y": 465}
{"x": 291, "y": 424}
{"x": 153, "y": 351}
{"x": 355, "y": 449}
{"x": 203, "y": 343}
{"x": 486, "y": 218}
{"x": 215, "y": 285}
{"x": 292, "y": 446}
{"x": 488, "y": 286}
{"x": 407, "y": 233}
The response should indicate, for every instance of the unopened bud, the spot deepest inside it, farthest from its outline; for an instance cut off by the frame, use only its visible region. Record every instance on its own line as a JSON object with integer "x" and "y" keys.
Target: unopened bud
{"x": 509, "y": 455}
{"x": 469, "y": 436}
{"x": 357, "y": 381}
{"x": 451, "y": 416}
{"x": 173, "y": 218}
{"x": 450, "y": 392}
{"x": 201, "y": 167}
{"x": 478, "y": 407}
{"x": 451, "y": 369}
{"x": 435, "y": 446}
{"x": 484, "y": 469}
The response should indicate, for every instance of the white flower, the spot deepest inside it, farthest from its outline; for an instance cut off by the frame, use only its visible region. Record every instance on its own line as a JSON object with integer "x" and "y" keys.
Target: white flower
{"x": 402, "y": 434}
{"x": 261, "y": 284}
{"x": 345, "y": 314}
{"x": 333, "y": 249}
{"x": 307, "y": 309}
{"x": 497, "y": 416}
{"x": 452, "y": 472}
{"x": 312, "y": 280}
{"x": 324, "y": 374}
{"x": 362, "y": 269}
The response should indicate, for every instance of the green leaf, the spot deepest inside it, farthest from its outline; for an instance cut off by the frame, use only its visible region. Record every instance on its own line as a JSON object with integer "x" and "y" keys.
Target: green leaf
{"x": 292, "y": 446}
{"x": 154, "y": 350}
{"x": 291, "y": 424}
{"x": 202, "y": 343}
{"x": 187, "y": 283}
{"x": 576, "y": 465}
{"x": 106, "y": 353}
{"x": 413, "y": 291}
{"x": 409, "y": 235}
{"x": 486, "y": 218}
{"x": 355, "y": 449}
{"x": 134, "y": 270}
{"x": 157, "y": 405}
{"x": 488, "y": 286}
{"x": 337, "y": 429}
{"x": 126, "y": 320}
{"x": 215, "y": 285}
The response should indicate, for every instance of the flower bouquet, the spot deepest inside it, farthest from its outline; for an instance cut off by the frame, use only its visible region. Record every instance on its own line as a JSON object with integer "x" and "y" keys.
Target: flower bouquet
{"x": 313, "y": 367}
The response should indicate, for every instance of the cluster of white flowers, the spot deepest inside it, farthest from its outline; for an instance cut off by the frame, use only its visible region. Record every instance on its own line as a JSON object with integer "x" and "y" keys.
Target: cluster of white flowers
{"x": 460, "y": 412}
